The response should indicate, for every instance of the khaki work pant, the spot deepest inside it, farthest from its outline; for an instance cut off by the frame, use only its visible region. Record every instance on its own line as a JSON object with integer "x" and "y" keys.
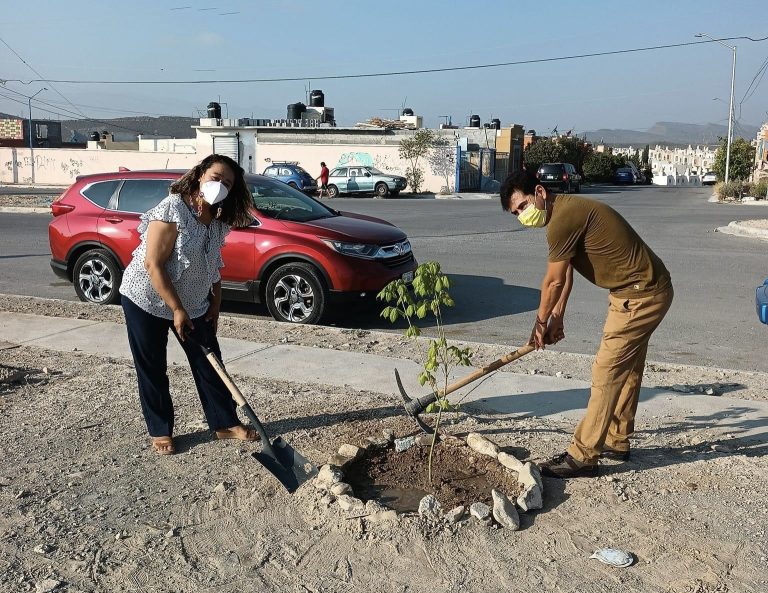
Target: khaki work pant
{"x": 617, "y": 374}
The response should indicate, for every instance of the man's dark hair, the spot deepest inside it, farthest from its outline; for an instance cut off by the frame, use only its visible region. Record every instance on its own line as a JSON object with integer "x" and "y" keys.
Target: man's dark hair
{"x": 523, "y": 181}
{"x": 322, "y": 164}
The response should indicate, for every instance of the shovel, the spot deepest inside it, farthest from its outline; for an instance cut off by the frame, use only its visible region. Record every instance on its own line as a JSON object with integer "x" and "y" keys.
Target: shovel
{"x": 281, "y": 460}
{"x": 416, "y": 406}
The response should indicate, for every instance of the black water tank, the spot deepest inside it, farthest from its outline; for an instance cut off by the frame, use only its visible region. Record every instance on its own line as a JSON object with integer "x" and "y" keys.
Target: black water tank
{"x": 95, "y": 136}
{"x": 296, "y": 110}
{"x": 474, "y": 121}
{"x": 496, "y": 123}
{"x": 407, "y": 111}
{"x": 317, "y": 98}
{"x": 214, "y": 110}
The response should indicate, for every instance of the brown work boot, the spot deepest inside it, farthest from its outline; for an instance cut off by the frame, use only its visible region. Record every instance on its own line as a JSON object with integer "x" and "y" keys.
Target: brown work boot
{"x": 564, "y": 466}
{"x": 614, "y": 454}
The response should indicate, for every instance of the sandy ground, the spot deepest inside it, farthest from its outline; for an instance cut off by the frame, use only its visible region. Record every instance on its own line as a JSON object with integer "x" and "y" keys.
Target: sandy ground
{"x": 85, "y": 506}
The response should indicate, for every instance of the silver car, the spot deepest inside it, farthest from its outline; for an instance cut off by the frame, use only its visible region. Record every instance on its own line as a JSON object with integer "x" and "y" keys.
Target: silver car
{"x": 359, "y": 179}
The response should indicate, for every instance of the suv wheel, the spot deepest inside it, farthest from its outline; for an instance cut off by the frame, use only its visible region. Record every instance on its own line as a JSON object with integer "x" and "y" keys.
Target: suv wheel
{"x": 333, "y": 191}
{"x": 381, "y": 190}
{"x": 296, "y": 294}
{"x": 97, "y": 277}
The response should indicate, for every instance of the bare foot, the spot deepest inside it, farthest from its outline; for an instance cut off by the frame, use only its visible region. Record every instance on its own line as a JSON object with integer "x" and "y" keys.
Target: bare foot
{"x": 238, "y": 433}
{"x": 163, "y": 445}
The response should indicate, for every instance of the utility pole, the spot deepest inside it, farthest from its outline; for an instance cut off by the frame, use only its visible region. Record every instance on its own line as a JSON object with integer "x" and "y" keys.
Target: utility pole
{"x": 31, "y": 149}
{"x": 730, "y": 106}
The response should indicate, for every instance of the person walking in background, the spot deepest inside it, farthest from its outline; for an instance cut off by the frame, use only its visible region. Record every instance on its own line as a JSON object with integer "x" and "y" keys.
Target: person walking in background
{"x": 174, "y": 282}
{"x": 594, "y": 239}
{"x": 323, "y": 180}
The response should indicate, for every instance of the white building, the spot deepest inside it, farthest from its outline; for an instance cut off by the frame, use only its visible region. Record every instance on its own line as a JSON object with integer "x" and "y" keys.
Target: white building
{"x": 681, "y": 161}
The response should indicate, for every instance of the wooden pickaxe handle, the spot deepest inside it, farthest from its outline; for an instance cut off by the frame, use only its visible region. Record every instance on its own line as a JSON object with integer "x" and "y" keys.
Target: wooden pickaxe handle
{"x": 418, "y": 405}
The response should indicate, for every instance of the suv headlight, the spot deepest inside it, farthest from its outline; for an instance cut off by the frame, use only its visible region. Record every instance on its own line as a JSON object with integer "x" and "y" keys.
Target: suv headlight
{"x": 369, "y": 251}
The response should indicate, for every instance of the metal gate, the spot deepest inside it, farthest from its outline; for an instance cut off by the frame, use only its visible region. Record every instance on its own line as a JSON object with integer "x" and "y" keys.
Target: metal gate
{"x": 469, "y": 171}
{"x": 228, "y": 146}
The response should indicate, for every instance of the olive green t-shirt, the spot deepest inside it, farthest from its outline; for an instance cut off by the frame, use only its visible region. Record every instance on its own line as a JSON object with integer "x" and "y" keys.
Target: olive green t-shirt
{"x": 603, "y": 248}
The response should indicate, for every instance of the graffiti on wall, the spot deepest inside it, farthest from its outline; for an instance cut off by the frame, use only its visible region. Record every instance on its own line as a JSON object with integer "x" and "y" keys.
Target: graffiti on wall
{"x": 364, "y": 159}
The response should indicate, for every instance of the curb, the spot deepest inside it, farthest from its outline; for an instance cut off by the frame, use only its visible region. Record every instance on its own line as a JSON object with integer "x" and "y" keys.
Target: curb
{"x": 25, "y": 210}
{"x": 736, "y": 228}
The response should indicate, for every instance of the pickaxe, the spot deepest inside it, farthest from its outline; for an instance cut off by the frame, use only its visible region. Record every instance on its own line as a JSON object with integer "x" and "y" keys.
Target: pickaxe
{"x": 416, "y": 406}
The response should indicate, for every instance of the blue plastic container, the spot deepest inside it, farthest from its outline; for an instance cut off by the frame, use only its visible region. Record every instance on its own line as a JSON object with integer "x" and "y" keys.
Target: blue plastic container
{"x": 761, "y": 302}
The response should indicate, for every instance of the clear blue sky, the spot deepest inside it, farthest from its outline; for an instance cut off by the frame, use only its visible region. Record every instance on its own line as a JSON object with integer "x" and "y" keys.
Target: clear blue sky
{"x": 147, "y": 40}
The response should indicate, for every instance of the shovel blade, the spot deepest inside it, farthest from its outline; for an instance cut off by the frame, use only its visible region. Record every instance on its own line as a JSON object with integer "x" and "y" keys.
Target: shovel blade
{"x": 289, "y": 466}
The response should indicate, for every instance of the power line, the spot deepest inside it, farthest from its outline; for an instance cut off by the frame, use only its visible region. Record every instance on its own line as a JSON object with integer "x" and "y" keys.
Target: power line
{"x": 396, "y": 73}
{"x": 28, "y": 65}
{"x": 68, "y": 114}
{"x": 754, "y": 83}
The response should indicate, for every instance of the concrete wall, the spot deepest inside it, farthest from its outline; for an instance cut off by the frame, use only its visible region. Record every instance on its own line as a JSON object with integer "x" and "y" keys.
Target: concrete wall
{"x": 60, "y": 166}
{"x": 385, "y": 158}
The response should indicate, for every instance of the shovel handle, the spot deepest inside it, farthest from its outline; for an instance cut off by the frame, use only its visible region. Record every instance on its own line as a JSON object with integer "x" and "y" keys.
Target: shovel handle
{"x": 238, "y": 396}
{"x": 489, "y": 368}
{"x": 236, "y": 393}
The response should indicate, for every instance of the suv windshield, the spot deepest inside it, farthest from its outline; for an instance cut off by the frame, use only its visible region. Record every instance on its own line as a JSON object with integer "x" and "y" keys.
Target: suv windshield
{"x": 277, "y": 200}
{"x": 551, "y": 169}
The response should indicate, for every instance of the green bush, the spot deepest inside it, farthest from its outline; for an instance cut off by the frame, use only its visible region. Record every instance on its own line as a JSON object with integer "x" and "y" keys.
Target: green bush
{"x": 599, "y": 166}
{"x": 732, "y": 189}
{"x": 760, "y": 189}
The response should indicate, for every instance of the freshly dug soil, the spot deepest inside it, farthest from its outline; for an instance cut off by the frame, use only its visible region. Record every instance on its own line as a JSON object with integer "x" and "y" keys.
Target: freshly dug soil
{"x": 459, "y": 477}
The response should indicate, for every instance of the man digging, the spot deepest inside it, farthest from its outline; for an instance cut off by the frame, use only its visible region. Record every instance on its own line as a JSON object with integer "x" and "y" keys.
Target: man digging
{"x": 595, "y": 240}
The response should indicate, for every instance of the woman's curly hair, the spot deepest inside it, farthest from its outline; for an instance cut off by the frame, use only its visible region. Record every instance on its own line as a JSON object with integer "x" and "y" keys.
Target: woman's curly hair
{"x": 236, "y": 207}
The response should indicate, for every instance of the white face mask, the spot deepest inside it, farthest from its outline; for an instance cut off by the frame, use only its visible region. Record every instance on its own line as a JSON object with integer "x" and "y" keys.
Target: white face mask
{"x": 213, "y": 192}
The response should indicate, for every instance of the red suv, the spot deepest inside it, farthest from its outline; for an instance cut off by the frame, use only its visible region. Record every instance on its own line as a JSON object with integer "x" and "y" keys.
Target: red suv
{"x": 298, "y": 256}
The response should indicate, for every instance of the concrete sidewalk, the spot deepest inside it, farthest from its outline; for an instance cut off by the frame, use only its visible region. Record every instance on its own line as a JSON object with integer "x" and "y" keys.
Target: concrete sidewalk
{"x": 501, "y": 392}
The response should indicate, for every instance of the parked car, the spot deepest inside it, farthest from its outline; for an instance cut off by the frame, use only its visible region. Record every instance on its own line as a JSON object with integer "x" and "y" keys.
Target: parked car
{"x": 293, "y": 175}
{"x": 298, "y": 255}
{"x": 562, "y": 176}
{"x": 358, "y": 179}
{"x": 624, "y": 175}
{"x": 709, "y": 178}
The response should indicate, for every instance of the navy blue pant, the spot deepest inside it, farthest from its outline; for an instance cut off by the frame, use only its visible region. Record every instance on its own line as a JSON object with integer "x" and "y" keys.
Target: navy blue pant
{"x": 148, "y": 338}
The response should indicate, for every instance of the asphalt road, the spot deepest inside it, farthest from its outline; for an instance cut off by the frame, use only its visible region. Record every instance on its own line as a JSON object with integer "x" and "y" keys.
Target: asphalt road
{"x": 496, "y": 267}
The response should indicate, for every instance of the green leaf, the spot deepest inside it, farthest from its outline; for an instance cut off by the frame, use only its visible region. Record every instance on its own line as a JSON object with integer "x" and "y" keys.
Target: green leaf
{"x": 393, "y": 313}
{"x": 442, "y": 404}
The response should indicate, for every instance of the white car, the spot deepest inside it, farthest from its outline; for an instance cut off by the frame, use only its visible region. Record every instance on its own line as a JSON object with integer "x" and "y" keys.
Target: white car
{"x": 709, "y": 178}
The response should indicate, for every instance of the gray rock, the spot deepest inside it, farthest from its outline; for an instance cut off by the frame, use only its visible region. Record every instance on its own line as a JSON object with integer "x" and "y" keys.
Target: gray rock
{"x": 404, "y": 444}
{"x": 510, "y": 461}
{"x": 389, "y": 434}
{"x": 47, "y": 586}
{"x": 455, "y": 515}
{"x": 429, "y": 507}
{"x": 42, "y": 549}
{"x": 352, "y": 451}
{"x": 327, "y": 500}
{"x": 479, "y": 443}
{"x": 340, "y": 488}
{"x": 222, "y": 487}
{"x": 531, "y": 474}
{"x": 424, "y": 440}
{"x": 504, "y": 511}
{"x": 480, "y": 510}
{"x": 350, "y": 503}
{"x": 328, "y": 476}
{"x": 531, "y": 498}
{"x": 376, "y": 443}
{"x": 340, "y": 461}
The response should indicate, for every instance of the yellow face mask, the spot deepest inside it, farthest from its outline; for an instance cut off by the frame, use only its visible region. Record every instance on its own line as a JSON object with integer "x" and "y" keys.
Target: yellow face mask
{"x": 533, "y": 217}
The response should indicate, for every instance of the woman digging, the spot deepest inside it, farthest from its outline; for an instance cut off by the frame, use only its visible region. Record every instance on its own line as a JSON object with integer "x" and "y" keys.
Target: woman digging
{"x": 174, "y": 282}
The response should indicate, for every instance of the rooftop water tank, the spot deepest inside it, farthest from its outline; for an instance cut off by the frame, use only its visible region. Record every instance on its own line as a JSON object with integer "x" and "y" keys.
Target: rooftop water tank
{"x": 474, "y": 121}
{"x": 214, "y": 110}
{"x": 407, "y": 111}
{"x": 296, "y": 110}
{"x": 317, "y": 98}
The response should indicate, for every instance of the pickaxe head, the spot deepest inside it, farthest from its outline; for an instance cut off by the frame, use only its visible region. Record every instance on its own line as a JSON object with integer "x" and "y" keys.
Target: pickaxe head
{"x": 414, "y": 407}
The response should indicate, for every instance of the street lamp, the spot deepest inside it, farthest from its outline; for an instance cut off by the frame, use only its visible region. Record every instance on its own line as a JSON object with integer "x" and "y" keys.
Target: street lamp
{"x": 32, "y": 156}
{"x": 730, "y": 107}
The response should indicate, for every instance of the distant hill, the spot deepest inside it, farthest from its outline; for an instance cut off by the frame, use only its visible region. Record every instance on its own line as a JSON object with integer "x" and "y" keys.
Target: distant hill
{"x": 126, "y": 128}
{"x": 671, "y": 133}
